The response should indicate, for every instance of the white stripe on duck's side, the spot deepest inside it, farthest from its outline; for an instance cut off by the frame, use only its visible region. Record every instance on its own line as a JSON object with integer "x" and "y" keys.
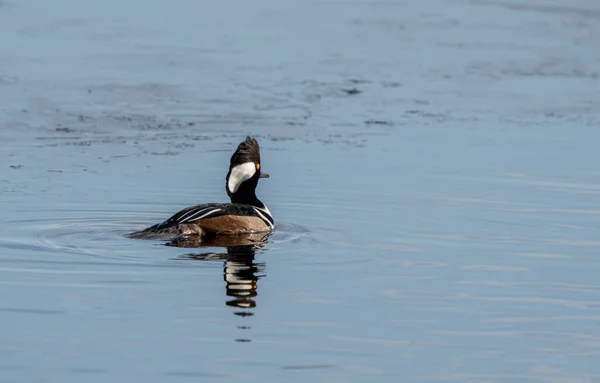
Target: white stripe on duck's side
{"x": 266, "y": 210}
{"x": 239, "y": 174}
{"x": 196, "y": 214}
{"x": 268, "y": 219}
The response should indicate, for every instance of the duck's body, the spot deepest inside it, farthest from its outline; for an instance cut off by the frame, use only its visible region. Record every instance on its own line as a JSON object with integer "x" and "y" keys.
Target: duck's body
{"x": 245, "y": 214}
{"x": 212, "y": 219}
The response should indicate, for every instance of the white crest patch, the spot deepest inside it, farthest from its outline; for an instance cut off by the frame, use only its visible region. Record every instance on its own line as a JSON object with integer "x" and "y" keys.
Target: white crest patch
{"x": 239, "y": 174}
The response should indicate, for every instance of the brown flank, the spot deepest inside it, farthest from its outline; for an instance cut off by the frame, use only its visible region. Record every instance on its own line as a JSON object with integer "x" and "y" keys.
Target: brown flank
{"x": 232, "y": 224}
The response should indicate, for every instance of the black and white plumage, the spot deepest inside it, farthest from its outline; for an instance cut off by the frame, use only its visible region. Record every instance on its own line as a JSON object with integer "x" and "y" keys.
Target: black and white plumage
{"x": 245, "y": 214}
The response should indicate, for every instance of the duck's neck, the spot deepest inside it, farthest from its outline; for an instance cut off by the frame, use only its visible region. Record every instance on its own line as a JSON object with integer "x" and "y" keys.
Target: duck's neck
{"x": 247, "y": 199}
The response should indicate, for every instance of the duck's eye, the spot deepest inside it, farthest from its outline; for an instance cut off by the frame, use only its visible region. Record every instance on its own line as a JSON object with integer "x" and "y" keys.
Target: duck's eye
{"x": 257, "y": 166}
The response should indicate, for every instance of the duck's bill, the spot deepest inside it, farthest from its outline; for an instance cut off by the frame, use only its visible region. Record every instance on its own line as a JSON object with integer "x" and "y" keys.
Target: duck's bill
{"x": 264, "y": 175}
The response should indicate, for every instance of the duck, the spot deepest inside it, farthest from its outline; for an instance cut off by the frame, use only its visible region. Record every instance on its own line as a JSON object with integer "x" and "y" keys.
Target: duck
{"x": 245, "y": 214}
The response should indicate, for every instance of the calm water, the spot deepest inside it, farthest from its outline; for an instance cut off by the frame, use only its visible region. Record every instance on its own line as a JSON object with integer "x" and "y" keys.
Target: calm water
{"x": 434, "y": 176}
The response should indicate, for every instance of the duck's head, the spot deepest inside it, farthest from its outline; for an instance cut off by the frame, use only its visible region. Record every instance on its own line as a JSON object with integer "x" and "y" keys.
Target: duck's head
{"x": 244, "y": 172}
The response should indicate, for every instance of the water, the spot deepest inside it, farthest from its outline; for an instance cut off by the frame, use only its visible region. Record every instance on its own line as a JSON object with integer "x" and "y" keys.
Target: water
{"x": 433, "y": 174}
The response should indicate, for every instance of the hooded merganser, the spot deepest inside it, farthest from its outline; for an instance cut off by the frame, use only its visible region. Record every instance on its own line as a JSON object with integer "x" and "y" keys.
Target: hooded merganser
{"x": 245, "y": 214}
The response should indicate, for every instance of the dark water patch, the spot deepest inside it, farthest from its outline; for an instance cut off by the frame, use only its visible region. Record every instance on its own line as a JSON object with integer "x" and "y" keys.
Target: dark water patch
{"x": 337, "y": 141}
{"x": 391, "y": 84}
{"x": 89, "y": 371}
{"x": 136, "y": 130}
{"x": 581, "y": 117}
{"x": 9, "y": 187}
{"x": 307, "y": 367}
{"x": 198, "y": 137}
{"x": 389, "y": 24}
{"x": 65, "y": 129}
{"x": 295, "y": 123}
{"x": 8, "y": 80}
{"x": 184, "y": 145}
{"x": 192, "y": 374}
{"x": 358, "y": 81}
{"x": 439, "y": 117}
{"x": 548, "y": 67}
{"x": 123, "y": 282}
{"x": 379, "y": 122}
{"x": 485, "y": 45}
{"x": 30, "y": 311}
{"x": 57, "y": 138}
{"x": 280, "y": 138}
{"x": 78, "y": 143}
{"x": 166, "y": 153}
{"x": 352, "y": 91}
{"x": 542, "y": 7}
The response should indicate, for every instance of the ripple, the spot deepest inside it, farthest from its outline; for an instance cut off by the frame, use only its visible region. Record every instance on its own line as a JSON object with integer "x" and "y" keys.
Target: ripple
{"x": 289, "y": 233}
{"x": 99, "y": 237}
{"x": 103, "y": 236}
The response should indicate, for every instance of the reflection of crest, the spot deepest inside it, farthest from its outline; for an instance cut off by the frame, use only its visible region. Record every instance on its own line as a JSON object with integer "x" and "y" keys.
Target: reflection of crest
{"x": 240, "y": 270}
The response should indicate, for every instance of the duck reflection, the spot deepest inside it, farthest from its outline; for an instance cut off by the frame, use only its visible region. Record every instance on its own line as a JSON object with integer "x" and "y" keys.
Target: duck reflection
{"x": 241, "y": 272}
